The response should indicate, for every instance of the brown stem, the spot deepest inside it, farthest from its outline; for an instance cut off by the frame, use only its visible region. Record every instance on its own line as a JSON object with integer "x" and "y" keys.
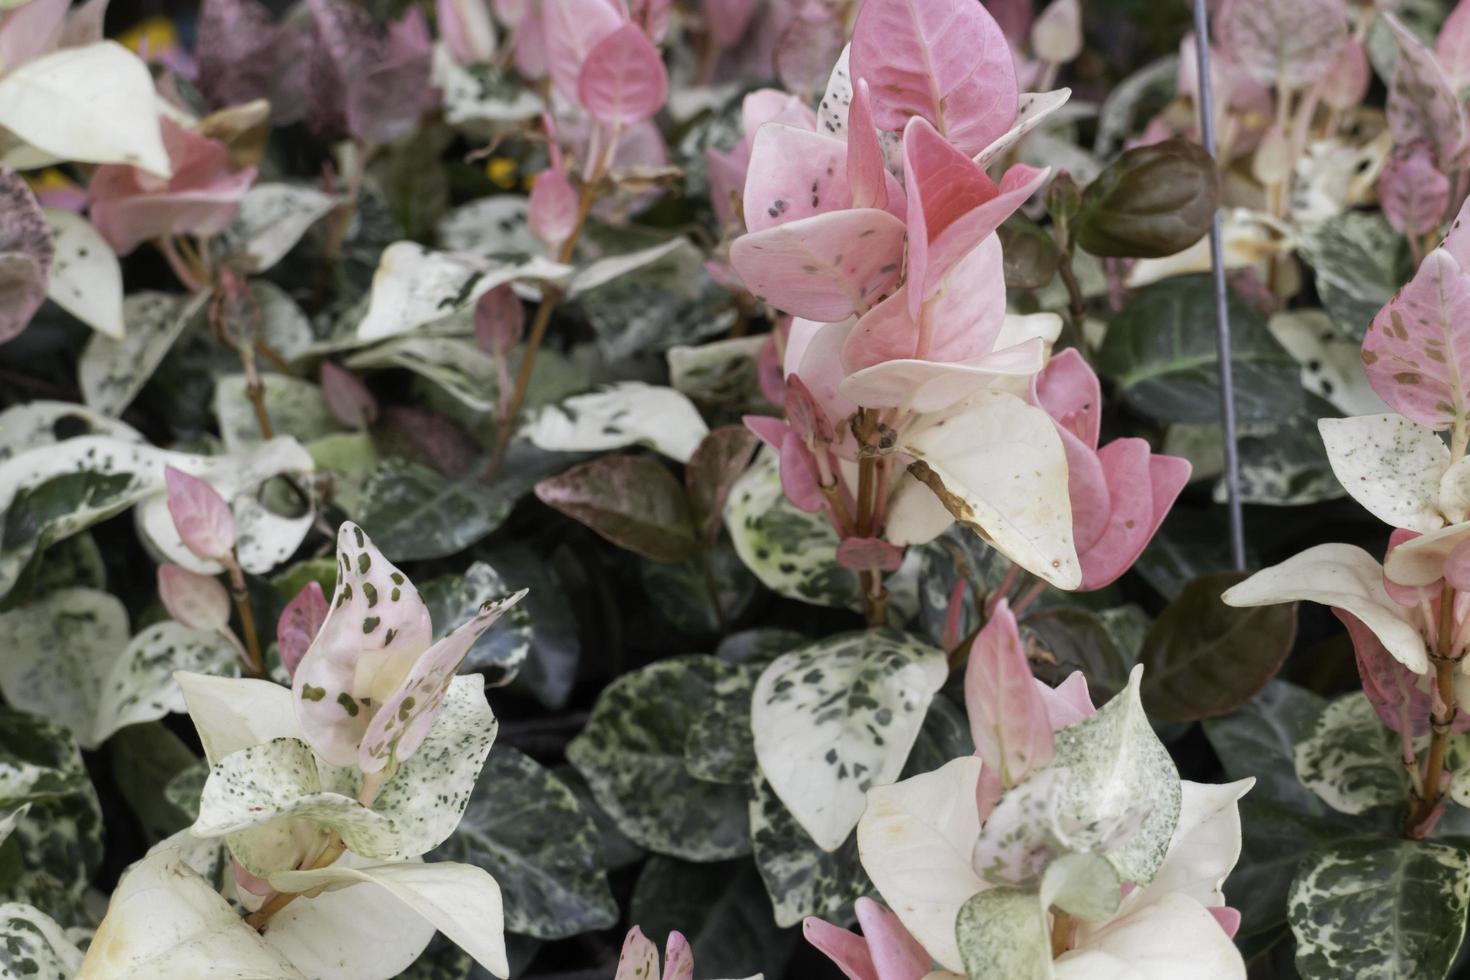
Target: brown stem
{"x": 255, "y": 391}
{"x": 254, "y": 662}
{"x": 1424, "y": 803}
{"x": 258, "y": 919}
{"x": 1076, "y": 304}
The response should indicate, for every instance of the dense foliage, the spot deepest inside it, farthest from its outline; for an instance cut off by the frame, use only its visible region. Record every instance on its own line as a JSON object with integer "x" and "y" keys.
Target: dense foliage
{"x": 564, "y": 488}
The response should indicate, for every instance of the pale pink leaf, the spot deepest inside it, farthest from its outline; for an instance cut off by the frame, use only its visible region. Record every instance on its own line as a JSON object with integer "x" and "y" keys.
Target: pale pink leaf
{"x": 198, "y": 601}
{"x": 1457, "y": 567}
{"x": 1452, "y": 46}
{"x": 1227, "y": 918}
{"x": 375, "y": 631}
{"x": 1417, "y": 350}
{"x": 1070, "y": 392}
{"x": 814, "y": 353}
{"x": 771, "y": 105}
{"x": 678, "y": 958}
{"x": 201, "y": 516}
{"x": 794, "y": 174}
{"x": 299, "y": 624}
{"x": 1412, "y": 192}
{"x": 30, "y": 30}
{"x": 1346, "y": 81}
{"x": 1422, "y": 104}
{"x": 402, "y": 719}
{"x": 896, "y": 954}
{"x": 572, "y": 29}
{"x": 965, "y": 310}
{"x": 866, "y": 175}
{"x": 1141, "y": 488}
{"x": 806, "y": 49}
{"x": 1067, "y": 703}
{"x": 639, "y": 959}
{"x": 235, "y": 47}
{"x": 466, "y": 29}
{"x": 553, "y": 208}
{"x": 1056, "y": 35}
{"x": 500, "y": 320}
{"x": 884, "y": 333}
{"x": 930, "y": 386}
{"x": 1390, "y": 687}
{"x": 1008, "y": 719}
{"x": 727, "y": 20}
{"x": 652, "y": 16}
{"x": 1286, "y": 42}
{"x": 26, "y": 252}
{"x": 846, "y": 949}
{"x": 943, "y": 60}
{"x": 827, "y": 267}
{"x": 623, "y": 81}
{"x": 799, "y": 480}
{"x": 347, "y": 397}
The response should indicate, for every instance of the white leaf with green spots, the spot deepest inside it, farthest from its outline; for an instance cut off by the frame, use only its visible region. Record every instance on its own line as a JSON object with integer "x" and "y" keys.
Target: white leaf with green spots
{"x": 1379, "y": 909}
{"x": 454, "y": 364}
{"x": 720, "y": 747}
{"x": 86, "y": 279}
{"x": 112, "y": 370}
{"x": 1002, "y": 932}
{"x": 33, "y": 946}
{"x": 270, "y": 220}
{"x": 527, "y": 829}
{"x": 801, "y": 878}
{"x": 1350, "y": 759}
{"x": 724, "y": 373}
{"x": 838, "y": 717}
{"x": 793, "y": 553}
{"x": 1390, "y": 465}
{"x": 462, "y": 902}
{"x": 629, "y": 413}
{"x": 632, "y": 754}
{"x": 139, "y": 686}
{"x": 495, "y": 226}
{"x": 296, "y": 407}
{"x": 167, "y": 923}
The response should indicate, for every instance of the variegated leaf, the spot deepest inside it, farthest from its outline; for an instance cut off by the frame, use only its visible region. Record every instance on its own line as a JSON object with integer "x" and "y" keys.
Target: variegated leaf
{"x": 1350, "y": 759}
{"x": 801, "y": 878}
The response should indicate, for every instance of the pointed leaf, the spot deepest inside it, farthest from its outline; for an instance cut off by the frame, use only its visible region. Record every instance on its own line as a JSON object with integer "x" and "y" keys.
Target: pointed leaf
{"x": 632, "y": 501}
{"x": 623, "y": 80}
{"x": 1389, "y": 465}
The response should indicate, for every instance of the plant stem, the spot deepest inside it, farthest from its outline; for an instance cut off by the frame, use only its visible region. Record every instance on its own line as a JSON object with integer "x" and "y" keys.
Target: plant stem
{"x": 255, "y": 391}
{"x": 1422, "y": 810}
{"x": 254, "y": 662}
{"x": 1077, "y": 305}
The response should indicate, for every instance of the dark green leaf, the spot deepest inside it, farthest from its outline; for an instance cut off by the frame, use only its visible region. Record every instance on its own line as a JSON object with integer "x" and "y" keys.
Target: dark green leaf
{"x": 681, "y": 593}
{"x": 1077, "y": 639}
{"x": 800, "y": 877}
{"x": 1031, "y": 256}
{"x": 1151, "y": 202}
{"x": 414, "y": 513}
{"x": 632, "y": 501}
{"x": 145, "y": 758}
{"x": 1260, "y": 739}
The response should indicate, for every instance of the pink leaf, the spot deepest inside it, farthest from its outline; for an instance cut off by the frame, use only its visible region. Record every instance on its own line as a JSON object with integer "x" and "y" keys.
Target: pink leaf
{"x": 965, "y": 310}
{"x": 1008, "y": 719}
{"x": 678, "y": 958}
{"x": 1069, "y": 391}
{"x": 639, "y": 959}
{"x": 866, "y": 175}
{"x": 793, "y": 174}
{"x": 553, "y": 208}
{"x": 1457, "y": 567}
{"x": 1291, "y": 42}
{"x": 466, "y": 29}
{"x": 652, "y": 16}
{"x": 896, "y": 954}
{"x": 1227, "y": 917}
{"x": 1452, "y": 47}
{"x": 884, "y": 333}
{"x": 1391, "y": 687}
{"x": 1068, "y": 702}
{"x": 623, "y": 81}
{"x": 347, "y": 397}
{"x": 799, "y": 475}
{"x": 236, "y": 50}
{"x": 727, "y": 20}
{"x": 371, "y": 81}
{"x": 572, "y": 29}
{"x": 26, "y": 252}
{"x": 1346, "y": 81}
{"x": 846, "y": 949}
{"x": 813, "y": 351}
{"x": 1417, "y": 350}
{"x": 807, "y": 47}
{"x": 201, "y": 516}
{"x": 299, "y": 624}
{"x": 500, "y": 320}
{"x": 826, "y": 267}
{"x": 771, "y": 105}
{"x": 197, "y": 601}
{"x": 29, "y": 31}
{"x": 1141, "y": 488}
{"x": 808, "y": 419}
{"x": 863, "y": 554}
{"x": 1422, "y": 104}
{"x": 1412, "y": 192}
{"x": 943, "y": 60}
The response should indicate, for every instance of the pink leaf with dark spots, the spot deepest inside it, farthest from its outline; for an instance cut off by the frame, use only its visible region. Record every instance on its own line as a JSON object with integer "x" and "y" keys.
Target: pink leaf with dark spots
{"x": 678, "y": 958}
{"x": 347, "y": 397}
{"x": 201, "y": 516}
{"x": 1008, "y": 719}
{"x": 942, "y": 60}
{"x": 639, "y": 959}
{"x": 26, "y": 252}
{"x": 826, "y": 267}
{"x": 794, "y": 174}
{"x": 299, "y": 624}
{"x": 1413, "y": 193}
{"x": 623, "y": 80}
{"x": 1422, "y": 104}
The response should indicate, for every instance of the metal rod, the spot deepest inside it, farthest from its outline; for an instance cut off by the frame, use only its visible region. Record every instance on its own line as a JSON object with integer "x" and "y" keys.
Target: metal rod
{"x": 1206, "y": 105}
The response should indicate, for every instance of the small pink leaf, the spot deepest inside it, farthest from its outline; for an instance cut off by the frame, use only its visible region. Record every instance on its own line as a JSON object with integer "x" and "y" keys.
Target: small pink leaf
{"x": 1227, "y": 917}
{"x": 299, "y": 624}
{"x": 1417, "y": 350}
{"x": 814, "y": 353}
{"x": 466, "y": 29}
{"x": 864, "y": 554}
{"x": 942, "y": 60}
{"x": 197, "y": 601}
{"x": 1290, "y": 42}
{"x": 1391, "y": 688}
{"x": 1069, "y": 390}
{"x": 808, "y": 418}
{"x": 652, "y": 16}
{"x": 624, "y": 80}
{"x": 826, "y": 267}
{"x": 1422, "y": 104}
{"x": 844, "y": 948}
{"x": 553, "y": 208}
{"x": 799, "y": 479}
{"x": 866, "y": 175}
{"x": 347, "y": 397}
{"x": 639, "y": 959}
{"x": 1141, "y": 488}
{"x": 896, "y": 954}
{"x": 678, "y": 958}
{"x": 1452, "y": 46}
{"x": 794, "y": 174}
{"x": 1412, "y": 192}
{"x": 572, "y": 29}
{"x": 500, "y": 320}
{"x": 1457, "y": 567}
{"x": 727, "y": 19}
{"x": 1068, "y": 702}
{"x": 1008, "y": 718}
{"x": 201, "y": 516}
{"x": 1346, "y": 81}
{"x": 26, "y": 252}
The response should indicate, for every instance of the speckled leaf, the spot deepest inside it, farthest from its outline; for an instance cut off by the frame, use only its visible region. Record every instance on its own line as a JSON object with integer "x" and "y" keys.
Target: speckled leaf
{"x": 1286, "y": 42}
{"x": 45, "y": 423}
{"x": 455, "y": 599}
{"x": 1379, "y": 909}
{"x": 1330, "y": 359}
{"x": 111, "y": 371}
{"x": 296, "y": 407}
{"x": 1422, "y": 102}
{"x": 1355, "y": 256}
{"x": 793, "y": 553}
{"x": 271, "y": 219}
{"x": 526, "y": 828}
{"x": 839, "y": 716}
{"x": 454, "y": 364}
{"x": 33, "y": 946}
{"x": 720, "y": 747}
{"x": 1390, "y": 465}
{"x": 490, "y": 226}
{"x": 721, "y": 377}
{"x": 801, "y": 878}
{"x": 139, "y": 685}
{"x": 1350, "y": 759}
{"x": 414, "y": 512}
{"x": 1003, "y": 931}
{"x": 86, "y": 279}
{"x": 480, "y": 94}
{"x": 632, "y": 755}
{"x": 629, "y": 413}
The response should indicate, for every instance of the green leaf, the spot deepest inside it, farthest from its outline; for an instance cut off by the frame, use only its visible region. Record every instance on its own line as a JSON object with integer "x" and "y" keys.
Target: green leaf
{"x": 296, "y": 407}
{"x": 793, "y": 553}
{"x": 146, "y": 759}
{"x": 57, "y": 507}
{"x": 632, "y": 501}
{"x": 1375, "y": 909}
{"x": 527, "y": 829}
{"x": 1003, "y": 932}
{"x": 720, "y": 909}
{"x": 1152, "y": 201}
{"x": 1079, "y": 639}
{"x": 801, "y": 878}
{"x": 454, "y": 600}
{"x": 1205, "y": 659}
{"x": 679, "y": 594}
{"x": 33, "y": 946}
{"x": 631, "y": 753}
{"x": 1285, "y": 465}
{"x": 1160, "y": 352}
{"x": 839, "y": 716}
{"x": 722, "y": 377}
{"x": 1357, "y": 257}
{"x": 414, "y": 513}
{"x": 1259, "y": 740}
{"x": 720, "y": 747}
{"x": 1351, "y": 759}
{"x": 1031, "y": 254}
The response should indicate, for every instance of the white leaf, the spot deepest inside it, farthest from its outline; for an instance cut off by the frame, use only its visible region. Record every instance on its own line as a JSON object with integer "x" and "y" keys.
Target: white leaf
{"x": 86, "y": 279}
{"x": 604, "y": 271}
{"x": 460, "y": 901}
{"x": 93, "y": 104}
{"x": 1390, "y": 465}
{"x": 915, "y": 839}
{"x": 271, "y": 220}
{"x": 1032, "y": 110}
{"x": 294, "y": 405}
{"x": 139, "y": 685}
{"x": 166, "y": 923}
{"x": 234, "y": 714}
{"x": 490, "y": 227}
{"x": 42, "y": 423}
{"x": 629, "y": 413}
{"x": 471, "y": 98}
{"x": 1345, "y": 577}
{"x": 1205, "y": 846}
{"x": 35, "y": 946}
{"x": 998, "y": 465}
{"x": 1174, "y": 938}
{"x": 457, "y": 365}
{"x": 112, "y": 370}
{"x": 837, "y": 717}
{"x": 1350, "y": 759}
{"x": 1331, "y": 360}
